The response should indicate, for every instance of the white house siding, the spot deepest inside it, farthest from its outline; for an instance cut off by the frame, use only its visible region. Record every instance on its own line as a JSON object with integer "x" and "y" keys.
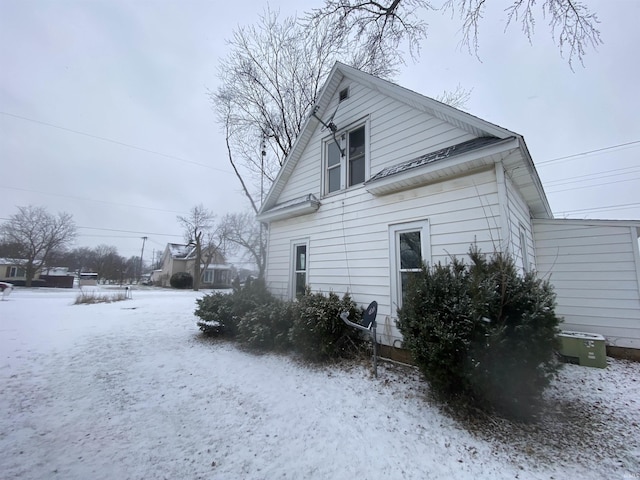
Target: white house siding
{"x": 397, "y": 133}
{"x": 595, "y": 269}
{"x": 518, "y": 216}
{"x": 348, "y": 238}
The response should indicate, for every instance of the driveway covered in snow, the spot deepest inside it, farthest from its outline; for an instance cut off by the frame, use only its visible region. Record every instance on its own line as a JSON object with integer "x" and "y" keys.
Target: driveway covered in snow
{"x": 130, "y": 390}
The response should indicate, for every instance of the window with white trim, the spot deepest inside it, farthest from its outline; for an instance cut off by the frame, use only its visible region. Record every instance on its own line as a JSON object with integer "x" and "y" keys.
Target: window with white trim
{"x": 209, "y": 276}
{"x": 16, "y": 272}
{"x": 299, "y": 269}
{"x": 344, "y": 171}
{"x": 524, "y": 254}
{"x": 410, "y": 249}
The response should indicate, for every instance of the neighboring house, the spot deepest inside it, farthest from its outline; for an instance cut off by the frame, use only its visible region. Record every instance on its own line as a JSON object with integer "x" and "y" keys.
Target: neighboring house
{"x": 406, "y": 179}
{"x": 181, "y": 258}
{"x": 11, "y": 270}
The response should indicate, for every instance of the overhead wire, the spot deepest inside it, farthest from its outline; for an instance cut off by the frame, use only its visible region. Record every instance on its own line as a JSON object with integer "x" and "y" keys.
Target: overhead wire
{"x": 76, "y": 197}
{"x": 589, "y": 152}
{"x": 116, "y": 142}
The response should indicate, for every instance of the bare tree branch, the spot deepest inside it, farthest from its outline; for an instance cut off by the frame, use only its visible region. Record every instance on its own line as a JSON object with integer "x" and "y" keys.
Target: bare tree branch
{"x": 573, "y": 26}
{"x": 269, "y": 82}
{"x": 246, "y": 233}
{"x": 38, "y": 234}
{"x": 196, "y": 226}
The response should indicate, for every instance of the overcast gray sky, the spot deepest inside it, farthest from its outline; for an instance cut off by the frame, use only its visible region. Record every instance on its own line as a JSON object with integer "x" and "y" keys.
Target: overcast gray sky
{"x": 104, "y": 113}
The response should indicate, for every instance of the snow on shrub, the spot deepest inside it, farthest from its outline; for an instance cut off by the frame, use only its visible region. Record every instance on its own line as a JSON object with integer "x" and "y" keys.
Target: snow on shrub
{"x": 220, "y": 313}
{"x": 482, "y": 331}
{"x": 310, "y": 325}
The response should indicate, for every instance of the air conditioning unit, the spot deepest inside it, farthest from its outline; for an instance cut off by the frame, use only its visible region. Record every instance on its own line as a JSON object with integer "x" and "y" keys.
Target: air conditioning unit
{"x": 586, "y": 349}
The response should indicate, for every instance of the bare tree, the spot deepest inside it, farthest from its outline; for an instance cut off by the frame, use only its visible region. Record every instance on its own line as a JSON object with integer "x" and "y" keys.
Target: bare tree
{"x": 246, "y": 233}
{"x": 457, "y": 98}
{"x": 269, "y": 82}
{"x": 38, "y": 234}
{"x": 388, "y": 23}
{"x": 195, "y": 226}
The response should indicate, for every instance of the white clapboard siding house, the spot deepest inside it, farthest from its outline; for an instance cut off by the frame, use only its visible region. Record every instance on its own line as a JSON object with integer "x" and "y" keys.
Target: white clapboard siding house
{"x": 382, "y": 178}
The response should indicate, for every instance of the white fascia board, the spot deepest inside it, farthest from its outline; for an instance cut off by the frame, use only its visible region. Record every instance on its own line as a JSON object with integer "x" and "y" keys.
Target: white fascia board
{"x": 297, "y": 210}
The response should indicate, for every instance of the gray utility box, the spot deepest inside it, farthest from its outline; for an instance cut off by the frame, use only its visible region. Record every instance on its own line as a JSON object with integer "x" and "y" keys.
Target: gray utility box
{"x": 588, "y": 348}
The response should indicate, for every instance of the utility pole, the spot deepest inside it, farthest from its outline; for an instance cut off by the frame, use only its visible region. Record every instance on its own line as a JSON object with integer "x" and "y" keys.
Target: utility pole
{"x": 144, "y": 239}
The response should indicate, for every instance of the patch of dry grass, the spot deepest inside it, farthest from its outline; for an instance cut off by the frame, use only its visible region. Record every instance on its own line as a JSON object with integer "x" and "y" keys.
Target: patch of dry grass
{"x": 91, "y": 298}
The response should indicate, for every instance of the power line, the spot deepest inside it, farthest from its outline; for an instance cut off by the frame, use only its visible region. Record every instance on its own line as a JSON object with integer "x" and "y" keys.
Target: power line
{"x": 593, "y": 185}
{"x": 598, "y": 175}
{"x": 117, "y": 142}
{"x": 627, "y": 144}
{"x": 131, "y": 231}
{"x": 74, "y": 197}
{"x": 609, "y": 207}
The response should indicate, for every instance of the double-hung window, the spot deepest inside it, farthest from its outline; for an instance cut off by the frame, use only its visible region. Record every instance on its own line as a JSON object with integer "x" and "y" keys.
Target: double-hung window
{"x": 300, "y": 266}
{"x": 410, "y": 249}
{"x": 15, "y": 272}
{"x": 344, "y": 171}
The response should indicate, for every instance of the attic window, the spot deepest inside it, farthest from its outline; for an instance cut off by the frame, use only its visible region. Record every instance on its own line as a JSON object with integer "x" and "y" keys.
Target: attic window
{"x": 344, "y": 94}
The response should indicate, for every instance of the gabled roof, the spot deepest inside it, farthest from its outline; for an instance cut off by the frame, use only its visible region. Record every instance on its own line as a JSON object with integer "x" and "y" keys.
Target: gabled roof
{"x": 531, "y": 185}
{"x": 178, "y": 250}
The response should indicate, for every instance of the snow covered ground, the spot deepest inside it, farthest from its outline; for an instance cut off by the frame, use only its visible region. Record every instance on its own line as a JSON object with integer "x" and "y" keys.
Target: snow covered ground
{"x": 131, "y": 390}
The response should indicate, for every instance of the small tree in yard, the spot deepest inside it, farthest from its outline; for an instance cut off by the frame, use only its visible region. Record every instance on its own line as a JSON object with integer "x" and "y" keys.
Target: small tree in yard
{"x": 482, "y": 331}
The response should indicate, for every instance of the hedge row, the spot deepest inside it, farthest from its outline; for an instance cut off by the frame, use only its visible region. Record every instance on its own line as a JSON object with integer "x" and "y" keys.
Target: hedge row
{"x": 311, "y": 325}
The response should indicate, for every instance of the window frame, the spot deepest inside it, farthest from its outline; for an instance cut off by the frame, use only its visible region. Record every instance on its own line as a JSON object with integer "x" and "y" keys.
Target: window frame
{"x": 395, "y": 230}
{"x": 343, "y": 138}
{"x": 524, "y": 252}
{"x": 209, "y": 276}
{"x": 16, "y": 272}
{"x": 293, "y": 270}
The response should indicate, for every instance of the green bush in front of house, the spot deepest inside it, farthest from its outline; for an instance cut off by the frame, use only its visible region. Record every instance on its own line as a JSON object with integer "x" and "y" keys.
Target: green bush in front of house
{"x": 310, "y": 325}
{"x": 318, "y": 333}
{"x": 482, "y": 332}
{"x": 181, "y": 280}
{"x": 220, "y": 313}
{"x": 267, "y": 327}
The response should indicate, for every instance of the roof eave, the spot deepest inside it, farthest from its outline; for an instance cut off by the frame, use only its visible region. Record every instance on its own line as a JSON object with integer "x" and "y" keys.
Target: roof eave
{"x": 440, "y": 169}
{"x": 304, "y": 208}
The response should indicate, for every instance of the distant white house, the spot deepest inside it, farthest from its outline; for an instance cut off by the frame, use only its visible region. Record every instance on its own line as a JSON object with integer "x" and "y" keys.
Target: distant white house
{"x": 406, "y": 179}
{"x": 182, "y": 258}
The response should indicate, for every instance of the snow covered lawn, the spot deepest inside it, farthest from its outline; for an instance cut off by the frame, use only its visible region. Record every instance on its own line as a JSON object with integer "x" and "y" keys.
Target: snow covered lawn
{"x": 131, "y": 390}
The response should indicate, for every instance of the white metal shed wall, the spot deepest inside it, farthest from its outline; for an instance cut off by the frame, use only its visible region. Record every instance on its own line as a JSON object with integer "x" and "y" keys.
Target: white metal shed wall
{"x": 595, "y": 269}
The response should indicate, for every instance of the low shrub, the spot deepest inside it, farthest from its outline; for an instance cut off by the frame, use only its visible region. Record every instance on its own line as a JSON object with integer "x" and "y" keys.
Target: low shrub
{"x": 317, "y": 331}
{"x": 220, "y": 313}
{"x": 181, "y": 280}
{"x": 216, "y": 314}
{"x": 482, "y": 331}
{"x": 267, "y": 327}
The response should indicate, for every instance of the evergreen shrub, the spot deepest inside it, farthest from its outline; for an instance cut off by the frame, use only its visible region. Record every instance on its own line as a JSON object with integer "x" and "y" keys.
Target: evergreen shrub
{"x": 317, "y": 331}
{"x": 220, "y": 313}
{"x": 482, "y": 331}
{"x": 267, "y": 327}
{"x": 181, "y": 280}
